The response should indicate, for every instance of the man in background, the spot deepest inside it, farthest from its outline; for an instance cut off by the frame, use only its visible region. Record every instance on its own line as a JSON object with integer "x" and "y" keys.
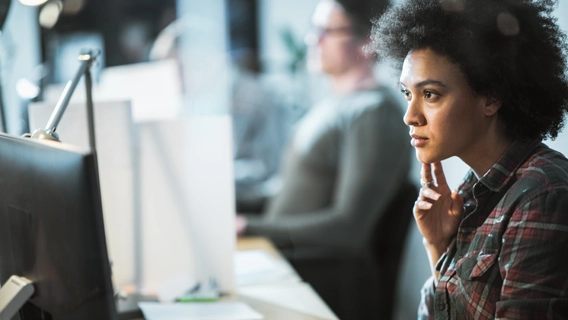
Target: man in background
{"x": 346, "y": 162}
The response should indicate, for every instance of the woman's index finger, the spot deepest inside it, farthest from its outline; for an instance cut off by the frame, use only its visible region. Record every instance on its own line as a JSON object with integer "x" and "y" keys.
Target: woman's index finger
{"x": 426, "y": 172}
{"x": 439, "y": 173}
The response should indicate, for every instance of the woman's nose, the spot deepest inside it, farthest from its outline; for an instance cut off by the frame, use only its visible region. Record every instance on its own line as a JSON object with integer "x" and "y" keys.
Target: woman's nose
{"x": 413, "y": 117}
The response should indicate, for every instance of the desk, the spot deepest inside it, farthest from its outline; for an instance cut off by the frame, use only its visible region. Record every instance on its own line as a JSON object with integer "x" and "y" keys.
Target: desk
{"x": 250, "y": 243}
{"x": 273, "y": 311}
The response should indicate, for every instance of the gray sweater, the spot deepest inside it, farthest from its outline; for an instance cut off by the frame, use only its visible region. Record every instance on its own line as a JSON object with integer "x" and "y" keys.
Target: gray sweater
{"x": 344, "y": 164}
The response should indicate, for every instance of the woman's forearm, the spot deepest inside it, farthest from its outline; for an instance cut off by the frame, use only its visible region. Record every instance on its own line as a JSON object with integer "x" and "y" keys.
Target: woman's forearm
{"x": 434, "y": 252}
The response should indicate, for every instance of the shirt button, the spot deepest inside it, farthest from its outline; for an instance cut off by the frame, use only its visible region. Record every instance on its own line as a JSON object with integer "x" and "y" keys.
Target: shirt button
{"x": 441, "y": 306}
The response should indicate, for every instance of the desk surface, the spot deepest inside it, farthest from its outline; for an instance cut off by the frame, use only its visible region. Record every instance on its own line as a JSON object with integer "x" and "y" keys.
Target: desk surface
{"x": 250, "y": 243}
{"x": 273, "y": 311}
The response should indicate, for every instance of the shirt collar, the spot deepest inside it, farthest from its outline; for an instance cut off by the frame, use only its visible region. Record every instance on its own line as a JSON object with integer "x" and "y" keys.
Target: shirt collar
{"x": 505, "y": 168}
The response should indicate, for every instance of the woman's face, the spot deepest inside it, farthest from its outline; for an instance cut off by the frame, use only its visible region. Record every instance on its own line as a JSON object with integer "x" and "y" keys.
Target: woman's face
{"x": 444, "y": 115}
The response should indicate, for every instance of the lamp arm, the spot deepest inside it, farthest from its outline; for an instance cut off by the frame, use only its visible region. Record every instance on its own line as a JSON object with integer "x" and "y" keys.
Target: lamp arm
{"x": 48, "y": 133}
{"x": 65, "y": 97}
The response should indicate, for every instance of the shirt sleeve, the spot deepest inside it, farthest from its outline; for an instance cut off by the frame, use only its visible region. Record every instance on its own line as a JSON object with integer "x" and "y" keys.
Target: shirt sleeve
{"x": 426, "y": 307}
{"x": 374, "y": 162}
{"x": 534, "y": 259}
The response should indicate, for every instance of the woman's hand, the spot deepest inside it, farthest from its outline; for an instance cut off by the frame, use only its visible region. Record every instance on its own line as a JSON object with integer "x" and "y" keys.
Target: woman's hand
{"x": 438, "y": 210}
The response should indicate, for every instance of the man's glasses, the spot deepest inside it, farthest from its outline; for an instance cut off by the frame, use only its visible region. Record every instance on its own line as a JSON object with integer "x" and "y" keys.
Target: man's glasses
{"x": 318, "y": 32}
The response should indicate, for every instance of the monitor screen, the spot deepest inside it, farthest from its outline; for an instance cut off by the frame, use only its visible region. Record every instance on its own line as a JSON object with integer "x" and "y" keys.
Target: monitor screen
{"x": 51, "y": 229}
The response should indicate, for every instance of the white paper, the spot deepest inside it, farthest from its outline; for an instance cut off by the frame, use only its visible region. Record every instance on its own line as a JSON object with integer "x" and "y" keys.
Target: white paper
{"x": 199, "y": 311}
{"x": 257, "y": 267}
{"x": 187, "y": 200}
{"x": 298, "y": 296}
{"x": 153, "y": 87}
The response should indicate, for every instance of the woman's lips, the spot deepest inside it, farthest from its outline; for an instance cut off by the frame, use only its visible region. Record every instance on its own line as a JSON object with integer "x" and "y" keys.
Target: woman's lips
{"x": 418, "y": 141}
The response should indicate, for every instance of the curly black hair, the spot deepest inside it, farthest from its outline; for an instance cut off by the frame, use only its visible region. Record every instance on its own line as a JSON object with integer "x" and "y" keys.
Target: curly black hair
{"x": 509, "y": 50}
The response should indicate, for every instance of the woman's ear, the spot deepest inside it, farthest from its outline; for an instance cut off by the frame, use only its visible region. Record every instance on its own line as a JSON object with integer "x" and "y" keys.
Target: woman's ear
{"x": 492, "y": 105}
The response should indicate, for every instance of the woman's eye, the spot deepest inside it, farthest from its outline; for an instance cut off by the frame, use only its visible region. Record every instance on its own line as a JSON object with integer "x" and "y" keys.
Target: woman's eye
{"x": 405, "y": 92}
{"x": 429, "y": 94}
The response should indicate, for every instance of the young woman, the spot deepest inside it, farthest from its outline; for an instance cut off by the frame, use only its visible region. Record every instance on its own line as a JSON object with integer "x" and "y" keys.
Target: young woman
{"x": 485, "y": 81}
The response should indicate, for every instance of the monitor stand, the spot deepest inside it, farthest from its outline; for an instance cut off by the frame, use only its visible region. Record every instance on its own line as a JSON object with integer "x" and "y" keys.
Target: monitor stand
{"x": 13, "y": 295}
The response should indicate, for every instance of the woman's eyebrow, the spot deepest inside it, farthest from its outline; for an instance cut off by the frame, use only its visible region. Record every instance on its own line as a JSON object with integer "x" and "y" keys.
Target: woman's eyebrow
{"x": 429, "y": 82}
{"x": 425, "y": 83}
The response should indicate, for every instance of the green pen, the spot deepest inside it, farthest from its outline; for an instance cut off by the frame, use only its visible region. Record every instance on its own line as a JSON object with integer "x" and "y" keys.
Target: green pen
{"x": 197, "y": 299}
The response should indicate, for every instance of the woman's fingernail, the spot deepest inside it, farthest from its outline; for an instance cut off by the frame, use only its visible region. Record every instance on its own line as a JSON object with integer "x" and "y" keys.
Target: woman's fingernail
{"x": 430, "y": 194}
{"x": 426, "y": 204}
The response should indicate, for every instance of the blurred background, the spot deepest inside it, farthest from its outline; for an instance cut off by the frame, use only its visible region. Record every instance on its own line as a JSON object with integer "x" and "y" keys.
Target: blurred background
{"x": 245, "y": 58}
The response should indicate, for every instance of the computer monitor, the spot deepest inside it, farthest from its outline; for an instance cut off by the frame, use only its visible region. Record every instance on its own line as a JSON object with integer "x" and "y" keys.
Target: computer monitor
{"x": 51, "y": 229}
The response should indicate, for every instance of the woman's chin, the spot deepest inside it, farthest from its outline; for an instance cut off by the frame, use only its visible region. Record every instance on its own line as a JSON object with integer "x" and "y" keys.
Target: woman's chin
{"x": 426, "y": 157}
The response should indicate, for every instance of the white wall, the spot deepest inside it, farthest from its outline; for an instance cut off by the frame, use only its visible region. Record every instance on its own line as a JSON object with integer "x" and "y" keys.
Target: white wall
{"x": 276, "y": 16}
{"x": 561, "y": 143}
{"x": 204, "y": 55}
{"x": 19, "y": 57}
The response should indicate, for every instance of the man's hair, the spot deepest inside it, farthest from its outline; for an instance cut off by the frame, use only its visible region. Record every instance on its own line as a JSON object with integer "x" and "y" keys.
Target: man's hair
{"x": 509, "y": 50}
{"x": 362, "y": 12}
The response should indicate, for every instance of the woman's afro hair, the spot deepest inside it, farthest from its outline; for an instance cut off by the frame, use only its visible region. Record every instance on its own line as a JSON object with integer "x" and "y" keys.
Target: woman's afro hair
{"x": 509, "y": 50}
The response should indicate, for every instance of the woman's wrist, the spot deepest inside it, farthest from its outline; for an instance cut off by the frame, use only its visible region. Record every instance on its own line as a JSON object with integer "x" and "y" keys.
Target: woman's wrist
{"x": 434, "y": 252}
{"x": 436, "y": 248}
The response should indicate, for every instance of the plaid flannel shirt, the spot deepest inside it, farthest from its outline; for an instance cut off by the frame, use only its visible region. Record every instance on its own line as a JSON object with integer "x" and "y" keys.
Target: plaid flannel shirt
{"x": 509, "y": 258}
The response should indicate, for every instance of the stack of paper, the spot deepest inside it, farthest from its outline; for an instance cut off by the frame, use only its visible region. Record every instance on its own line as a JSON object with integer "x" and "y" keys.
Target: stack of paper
{"x": 199, "y": 311}
{"x": 297, "y": 296}
{"x": 258, "y": 267}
